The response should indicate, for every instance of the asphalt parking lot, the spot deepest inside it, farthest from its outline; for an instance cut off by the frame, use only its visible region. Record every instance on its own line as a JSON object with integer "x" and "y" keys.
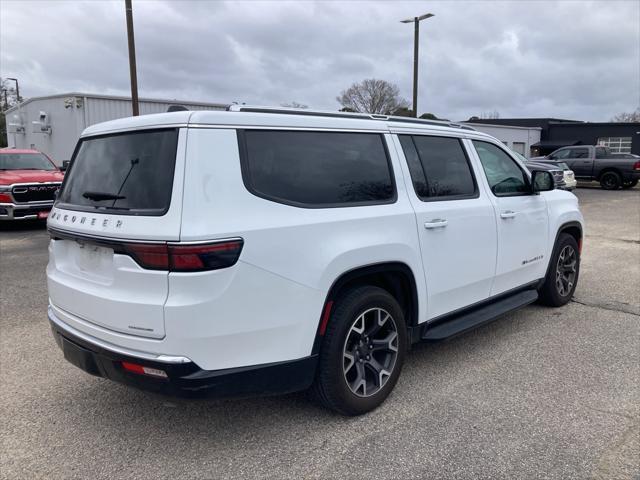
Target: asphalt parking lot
{"x": 540, "y": 393}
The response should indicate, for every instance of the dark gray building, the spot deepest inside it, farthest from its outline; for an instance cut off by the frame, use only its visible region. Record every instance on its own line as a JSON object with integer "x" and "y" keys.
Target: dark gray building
{"x": 558, "y": 132}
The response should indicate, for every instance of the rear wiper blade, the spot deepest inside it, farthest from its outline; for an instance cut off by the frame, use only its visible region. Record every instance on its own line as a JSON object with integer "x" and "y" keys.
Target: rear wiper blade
{"x": 99, "y": 196}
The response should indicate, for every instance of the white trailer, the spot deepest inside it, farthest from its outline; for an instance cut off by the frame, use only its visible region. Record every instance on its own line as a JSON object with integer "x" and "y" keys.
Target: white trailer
{"x": 53, "y": 124}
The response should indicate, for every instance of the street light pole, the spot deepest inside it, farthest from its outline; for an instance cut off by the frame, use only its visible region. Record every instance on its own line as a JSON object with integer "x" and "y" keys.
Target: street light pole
{"x": 132, "y": 58}
{"x": 17, "y": 88}
{"x": 416, "y": 22}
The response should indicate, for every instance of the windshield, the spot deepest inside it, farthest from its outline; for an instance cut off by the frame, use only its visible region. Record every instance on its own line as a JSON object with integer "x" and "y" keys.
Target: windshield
{"x": 25, "y": 161}
{"x": 130, "y": 173}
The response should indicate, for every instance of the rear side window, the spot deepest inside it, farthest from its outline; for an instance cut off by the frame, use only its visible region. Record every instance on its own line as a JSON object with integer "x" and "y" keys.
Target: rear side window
{"x": 439, "y": 167}
{"x": 130, "y": 173}
{"x": 316, "y": 169}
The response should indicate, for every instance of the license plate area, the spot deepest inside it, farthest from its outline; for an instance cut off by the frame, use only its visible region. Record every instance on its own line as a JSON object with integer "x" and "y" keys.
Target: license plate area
{"x": 43, "y": 215}
{"x": 93, "y": 260}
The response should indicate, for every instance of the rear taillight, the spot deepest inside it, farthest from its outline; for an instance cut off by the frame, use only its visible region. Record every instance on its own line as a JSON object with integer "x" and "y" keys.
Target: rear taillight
{"x": 184, "y": 257}
{"x": 636, "y": 166}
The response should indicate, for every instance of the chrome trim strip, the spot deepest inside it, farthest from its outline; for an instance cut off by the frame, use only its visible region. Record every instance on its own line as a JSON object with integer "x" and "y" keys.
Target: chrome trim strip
{"x": 89, "y": 237}
{"x": 114, "y": 348}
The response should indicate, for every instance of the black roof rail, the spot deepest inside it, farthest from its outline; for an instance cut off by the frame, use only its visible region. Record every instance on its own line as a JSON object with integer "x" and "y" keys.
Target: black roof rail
{"x": 354, "y": 115}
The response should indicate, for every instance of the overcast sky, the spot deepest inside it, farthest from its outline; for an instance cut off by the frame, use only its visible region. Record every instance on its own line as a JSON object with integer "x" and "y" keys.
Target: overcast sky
{"x": 568, "y": 59}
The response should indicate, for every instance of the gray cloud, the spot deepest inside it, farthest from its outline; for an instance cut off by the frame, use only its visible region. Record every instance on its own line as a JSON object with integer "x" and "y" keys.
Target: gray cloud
{"x": 522, "y": 58}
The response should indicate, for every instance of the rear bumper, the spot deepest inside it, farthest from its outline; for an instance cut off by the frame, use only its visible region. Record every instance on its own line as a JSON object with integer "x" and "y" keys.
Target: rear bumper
{"x": 14, "y": 211}
{"x": 184, "y": 377}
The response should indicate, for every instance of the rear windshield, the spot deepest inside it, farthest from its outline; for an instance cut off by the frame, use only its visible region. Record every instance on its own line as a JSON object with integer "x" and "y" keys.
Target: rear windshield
{"x": 25, "y": 161}
{"x": 129, "y": 173}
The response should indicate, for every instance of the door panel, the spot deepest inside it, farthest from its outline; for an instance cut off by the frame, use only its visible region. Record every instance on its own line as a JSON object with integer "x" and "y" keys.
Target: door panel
{"x": 455, "y": 220}
{"x": 522, "y": 218}
{"x": 458, "y": 254}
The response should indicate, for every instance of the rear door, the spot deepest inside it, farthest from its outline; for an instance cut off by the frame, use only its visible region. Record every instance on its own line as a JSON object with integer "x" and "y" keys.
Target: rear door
{"x": 455, "y": 220}
{"x": 123, "y": 192}
{"x": 521, "y": 217}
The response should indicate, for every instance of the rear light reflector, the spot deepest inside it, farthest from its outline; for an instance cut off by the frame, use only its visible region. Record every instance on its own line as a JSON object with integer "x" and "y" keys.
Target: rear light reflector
{"x": 142, "y": 370}
{"x": 184, "y": 257}
{"x": 636, "y": 166}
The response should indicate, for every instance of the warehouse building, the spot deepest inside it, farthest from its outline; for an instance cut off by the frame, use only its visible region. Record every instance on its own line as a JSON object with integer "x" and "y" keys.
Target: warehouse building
{"x": 557, "y": 132}
{"x": 53, "y": 124}
{"x": 518, "y": 138}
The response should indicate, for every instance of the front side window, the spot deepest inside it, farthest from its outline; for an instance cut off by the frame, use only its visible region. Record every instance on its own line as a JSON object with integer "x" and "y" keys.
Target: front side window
{"x": 560, "y": 154}
{"x": 130, "y": 173}
{"x": 316, "y": 169}
{"x": 503, "y": 174}
{"x": 579, "y": 153}
{"x": 439, "y": 167}
{"x": 25, "y": 161}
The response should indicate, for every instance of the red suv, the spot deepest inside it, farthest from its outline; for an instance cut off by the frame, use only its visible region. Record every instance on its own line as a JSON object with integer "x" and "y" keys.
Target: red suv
{"x": 29, "y": 181}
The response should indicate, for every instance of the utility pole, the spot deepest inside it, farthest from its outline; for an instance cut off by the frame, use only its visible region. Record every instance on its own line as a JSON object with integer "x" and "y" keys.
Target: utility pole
{"x": 132, "y": 59}
{"x": 416, "y": 22}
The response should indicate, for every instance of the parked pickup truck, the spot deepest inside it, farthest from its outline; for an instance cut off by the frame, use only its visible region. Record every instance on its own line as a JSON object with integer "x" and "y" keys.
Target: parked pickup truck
{"x": 594, "y": 163}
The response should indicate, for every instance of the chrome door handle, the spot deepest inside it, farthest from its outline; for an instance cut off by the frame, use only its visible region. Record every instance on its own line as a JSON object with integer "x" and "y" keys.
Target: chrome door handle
{"x": 436, "y": 223}
{"x": 508, "y": 214}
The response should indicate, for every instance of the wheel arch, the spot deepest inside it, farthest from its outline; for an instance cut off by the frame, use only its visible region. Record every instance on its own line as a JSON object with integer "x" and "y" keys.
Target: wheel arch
{"x": 573, "y": 228}
{"x": 607, "y": 170}
{"x": 397, "y": 278}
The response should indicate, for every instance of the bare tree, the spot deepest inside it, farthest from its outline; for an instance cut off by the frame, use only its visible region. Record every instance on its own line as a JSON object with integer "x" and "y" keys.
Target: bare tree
{"x": 294, "y": 104}
{"x": 628, "y": 117}
{"x": 372, "y": 96}
{"x": 8, "y": 94}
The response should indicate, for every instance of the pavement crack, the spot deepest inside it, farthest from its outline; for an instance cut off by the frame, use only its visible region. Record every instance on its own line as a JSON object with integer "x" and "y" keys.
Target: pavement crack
{"x": 611, "y": 306}
{"x": 626, "y": 240}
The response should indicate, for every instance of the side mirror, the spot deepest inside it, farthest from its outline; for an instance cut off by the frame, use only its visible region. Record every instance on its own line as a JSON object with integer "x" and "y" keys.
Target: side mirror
{"x": 65, "y": 165}
{"x": 541, "y": 181}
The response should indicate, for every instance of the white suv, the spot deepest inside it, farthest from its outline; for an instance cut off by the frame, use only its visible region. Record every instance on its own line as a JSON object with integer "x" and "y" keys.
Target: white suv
{"x": 263, "y": 251}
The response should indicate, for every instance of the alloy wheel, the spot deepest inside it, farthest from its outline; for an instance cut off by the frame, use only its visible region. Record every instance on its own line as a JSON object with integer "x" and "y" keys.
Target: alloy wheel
{"x": 566, "y": 270}
{"x": 370, "y": 352}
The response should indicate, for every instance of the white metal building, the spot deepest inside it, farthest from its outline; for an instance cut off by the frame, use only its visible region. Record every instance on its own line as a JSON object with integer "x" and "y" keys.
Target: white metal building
{"x": 518, "y": 139}
{"x": 53, "y": 124}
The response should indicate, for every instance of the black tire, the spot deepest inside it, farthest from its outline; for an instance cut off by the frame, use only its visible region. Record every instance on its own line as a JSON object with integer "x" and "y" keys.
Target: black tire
{"x": 630, "y": 184}
{"x": 331, "y": 387}
{"x": 610, "y": 180}
{"x": 551, "y": 293}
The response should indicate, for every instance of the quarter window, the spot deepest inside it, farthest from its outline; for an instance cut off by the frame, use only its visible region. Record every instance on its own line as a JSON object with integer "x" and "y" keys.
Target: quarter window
{"x": 439, "y": 167}
{"x": 316, "y": 169}
{"x": 503, "y": 174}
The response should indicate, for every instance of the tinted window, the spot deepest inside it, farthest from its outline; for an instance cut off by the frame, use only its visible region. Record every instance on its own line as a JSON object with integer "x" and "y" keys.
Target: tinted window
{"x": 601, "y": 152}
{"x": 316, "y": 168}
{"x": 130, "y": 173}
{"x": 579, "y": 153}
{"x": 559, "y": 154}
{"x": 504, "y": 175}
{"x": 438, "y": 166}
